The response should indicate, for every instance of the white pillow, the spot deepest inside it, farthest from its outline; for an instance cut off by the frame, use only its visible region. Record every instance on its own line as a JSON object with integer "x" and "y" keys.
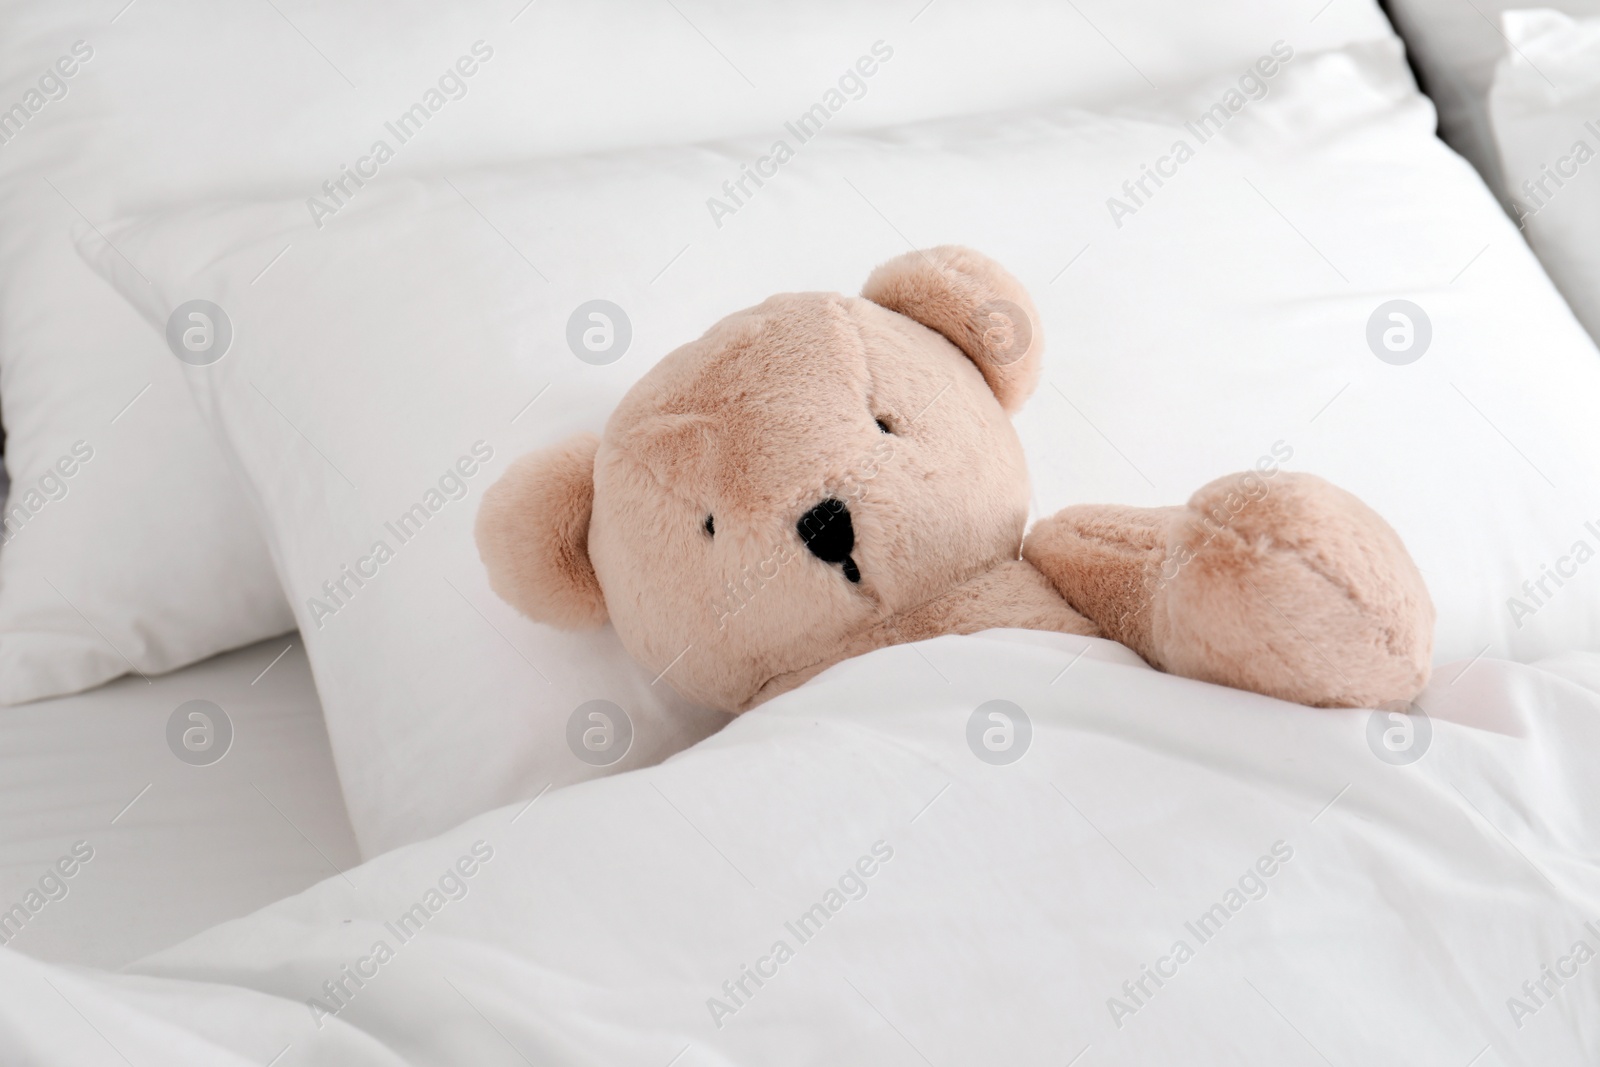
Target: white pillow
{"x": 150, "y": 561}
{"x": 1223, "y": 319}
{"x": 573, "y": 77}
{"x": 127, "y": 545}
{"x": 1545, "y": 107}
{"x": 1456, "y": 45}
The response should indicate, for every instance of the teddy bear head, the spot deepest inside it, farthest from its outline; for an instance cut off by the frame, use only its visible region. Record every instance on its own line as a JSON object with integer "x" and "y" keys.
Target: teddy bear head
{"x": 807, "y": 470}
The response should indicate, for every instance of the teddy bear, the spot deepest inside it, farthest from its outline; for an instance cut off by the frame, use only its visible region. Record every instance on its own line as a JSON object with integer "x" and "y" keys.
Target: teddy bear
{"x": 820, "y": 476}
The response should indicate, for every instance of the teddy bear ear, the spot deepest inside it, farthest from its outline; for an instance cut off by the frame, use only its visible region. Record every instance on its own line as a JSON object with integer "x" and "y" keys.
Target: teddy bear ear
{"x": 533, "y": 535}
{"x": 976, "y": 304}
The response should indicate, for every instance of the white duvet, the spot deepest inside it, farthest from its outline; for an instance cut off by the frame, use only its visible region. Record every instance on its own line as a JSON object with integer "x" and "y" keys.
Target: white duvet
{"x": 1170, "y": 873}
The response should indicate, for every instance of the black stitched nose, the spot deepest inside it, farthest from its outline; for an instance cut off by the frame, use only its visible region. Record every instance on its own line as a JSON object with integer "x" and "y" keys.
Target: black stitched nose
{"x": 828, "y": 534}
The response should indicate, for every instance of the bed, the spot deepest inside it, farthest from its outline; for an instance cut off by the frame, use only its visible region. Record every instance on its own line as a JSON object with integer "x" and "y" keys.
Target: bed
{"x": 258, "y": 811}
{"x": 176, "y": 846}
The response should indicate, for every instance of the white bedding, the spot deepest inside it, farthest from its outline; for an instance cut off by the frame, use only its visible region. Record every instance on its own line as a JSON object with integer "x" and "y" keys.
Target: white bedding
{"x": 1395, "y": 911}
{"x": 1385, "y": 912}
{"x": 1195, "y": 337}
{"x": 174, "y": 847}
{"x": 1544, "y": 108}
{"x": 1455, "y": 47}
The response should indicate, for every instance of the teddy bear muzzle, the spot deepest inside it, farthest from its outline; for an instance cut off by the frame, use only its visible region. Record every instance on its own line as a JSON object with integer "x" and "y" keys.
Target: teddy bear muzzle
{"x": 829, "y": 535}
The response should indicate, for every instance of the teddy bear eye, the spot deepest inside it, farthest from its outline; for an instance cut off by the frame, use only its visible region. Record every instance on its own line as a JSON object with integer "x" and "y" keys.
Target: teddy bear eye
{"x": 883, "y": 427}
{"x": 711, "y": 526}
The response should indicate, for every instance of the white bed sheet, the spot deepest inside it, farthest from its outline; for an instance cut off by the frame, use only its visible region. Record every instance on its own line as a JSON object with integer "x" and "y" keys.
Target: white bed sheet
{"x": 1402, "y": 907}
{"x": 175, "y": 847}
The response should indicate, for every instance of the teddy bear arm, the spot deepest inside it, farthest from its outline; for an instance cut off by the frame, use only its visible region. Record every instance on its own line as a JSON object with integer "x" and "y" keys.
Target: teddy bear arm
{"x": 1100, "y": 559}
{"x": 1289, "y": 587}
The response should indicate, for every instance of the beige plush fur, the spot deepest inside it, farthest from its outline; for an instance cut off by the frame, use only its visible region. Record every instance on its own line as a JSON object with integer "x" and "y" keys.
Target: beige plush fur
{"x": 533, "y": 529}
{"x": 769, "y": 427}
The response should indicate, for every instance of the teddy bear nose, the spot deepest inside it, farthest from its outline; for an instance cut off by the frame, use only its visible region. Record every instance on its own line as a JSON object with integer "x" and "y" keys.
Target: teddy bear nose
{"x": 828, "y": 535}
